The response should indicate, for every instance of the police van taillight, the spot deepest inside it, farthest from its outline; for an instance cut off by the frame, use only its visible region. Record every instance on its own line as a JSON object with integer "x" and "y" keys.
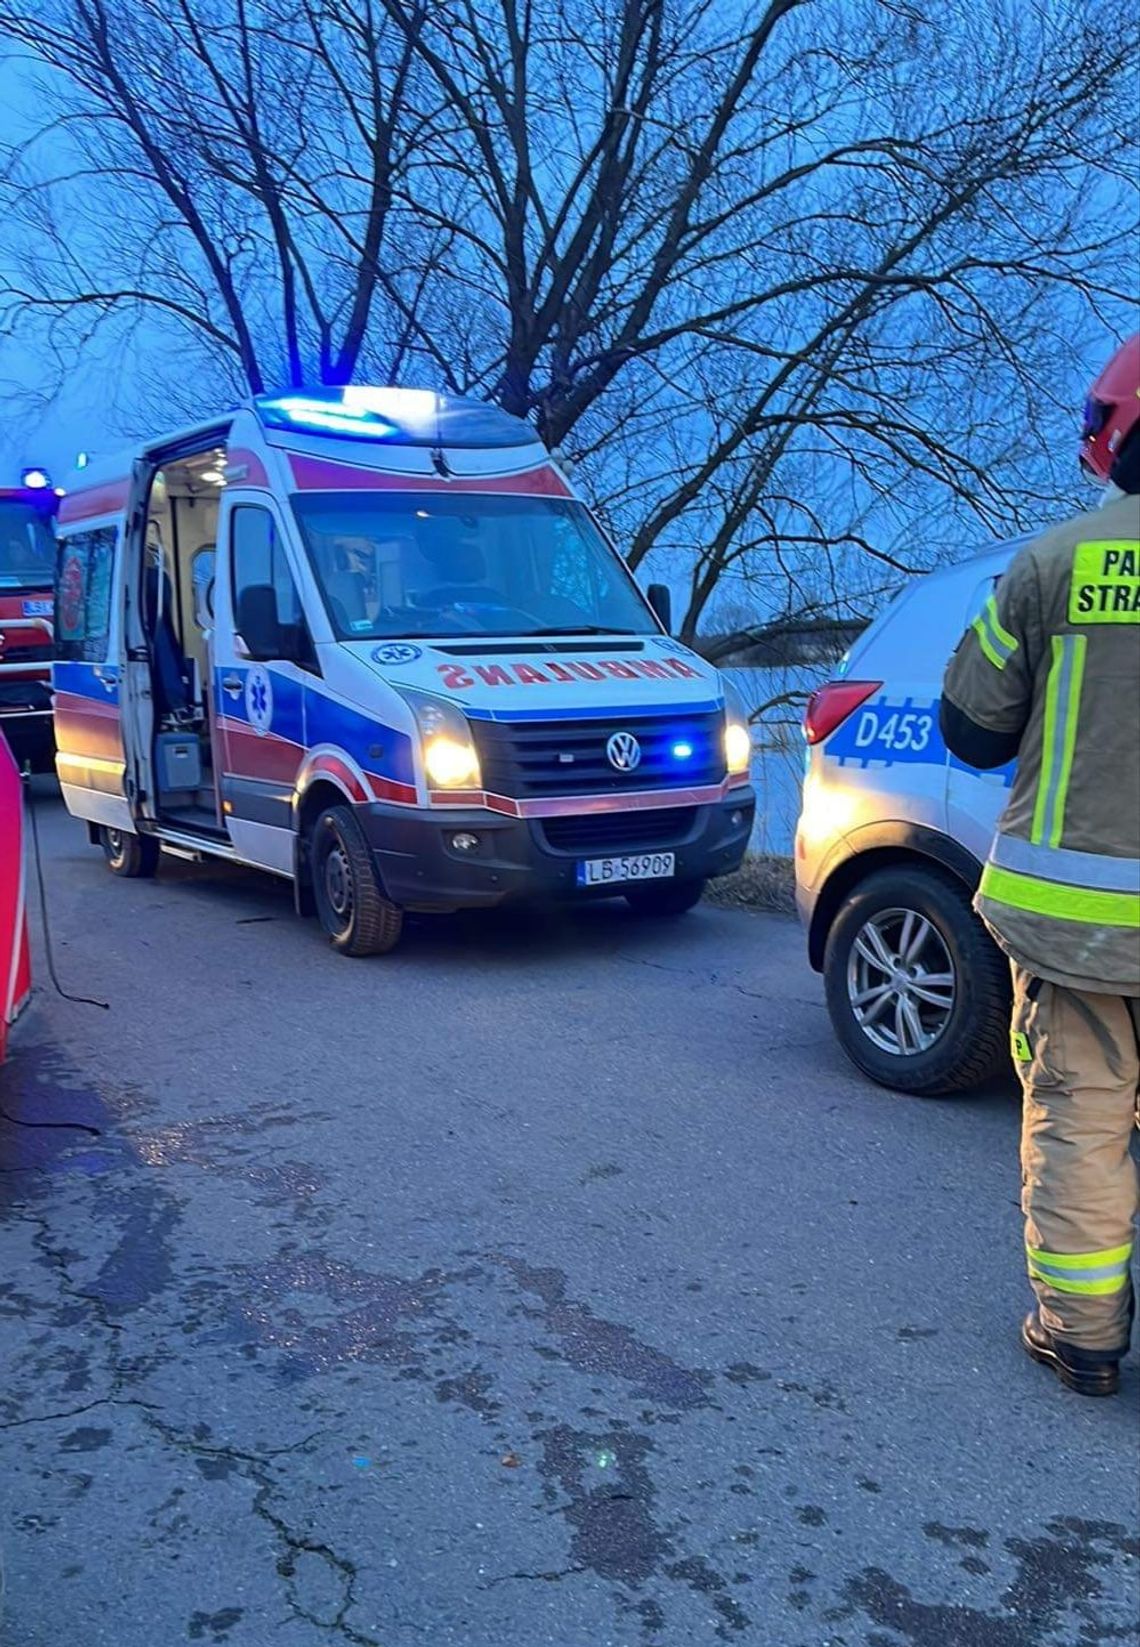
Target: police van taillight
{"x": 830, "y": 705}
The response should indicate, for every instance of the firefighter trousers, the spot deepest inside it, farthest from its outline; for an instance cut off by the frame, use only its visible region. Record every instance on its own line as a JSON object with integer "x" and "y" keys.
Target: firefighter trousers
{"x": 1078, "y": 1059}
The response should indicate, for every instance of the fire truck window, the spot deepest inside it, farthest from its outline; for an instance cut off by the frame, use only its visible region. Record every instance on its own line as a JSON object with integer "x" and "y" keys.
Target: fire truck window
{"x": 83, "y": 595}
{"x": 27, "y": 548}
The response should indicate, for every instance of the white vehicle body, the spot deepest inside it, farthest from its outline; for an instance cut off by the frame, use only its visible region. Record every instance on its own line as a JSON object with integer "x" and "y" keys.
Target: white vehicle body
{"x": 883, "y": 795}
{"x": 255, "y": 628}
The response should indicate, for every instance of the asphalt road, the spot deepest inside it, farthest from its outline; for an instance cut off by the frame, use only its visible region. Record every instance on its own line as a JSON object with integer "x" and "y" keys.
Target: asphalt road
{"x": 552, "y": 1281}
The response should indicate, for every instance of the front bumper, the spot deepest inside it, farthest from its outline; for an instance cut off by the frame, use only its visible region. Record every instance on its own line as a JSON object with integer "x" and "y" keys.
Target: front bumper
{"x": 420, "y": 868}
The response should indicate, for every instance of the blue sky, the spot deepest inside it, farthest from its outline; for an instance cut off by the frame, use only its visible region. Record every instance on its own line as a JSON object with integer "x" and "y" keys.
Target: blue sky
{"x": 92, "y": 411}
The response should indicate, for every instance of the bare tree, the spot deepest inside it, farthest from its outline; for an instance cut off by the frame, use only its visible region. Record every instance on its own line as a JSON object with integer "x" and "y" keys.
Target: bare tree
{"x": 800, "y": 290}
{"x": 232, "y": 171}
{"x": 777, "y": 287}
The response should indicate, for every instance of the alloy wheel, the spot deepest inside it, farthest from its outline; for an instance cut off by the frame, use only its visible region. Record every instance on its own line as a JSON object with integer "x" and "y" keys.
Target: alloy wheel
{"x": 901, "y": 982}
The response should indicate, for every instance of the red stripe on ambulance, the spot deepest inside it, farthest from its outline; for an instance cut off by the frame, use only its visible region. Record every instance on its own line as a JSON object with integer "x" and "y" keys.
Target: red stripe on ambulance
{"x": 312, "y": 474}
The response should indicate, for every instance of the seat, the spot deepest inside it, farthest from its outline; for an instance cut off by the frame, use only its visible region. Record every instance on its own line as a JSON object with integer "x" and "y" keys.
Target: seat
{"x": 170, "y": 680}
{"x": 346, "y": 596}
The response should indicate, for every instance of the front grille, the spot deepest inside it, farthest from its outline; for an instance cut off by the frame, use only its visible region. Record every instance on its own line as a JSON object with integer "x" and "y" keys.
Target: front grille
{"x": 534, "y": 759}
{"x": 619, "y": 831}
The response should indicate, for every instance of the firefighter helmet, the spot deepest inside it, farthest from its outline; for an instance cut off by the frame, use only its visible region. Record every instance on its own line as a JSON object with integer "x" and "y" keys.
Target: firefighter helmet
{"x": 1112, "y": 410}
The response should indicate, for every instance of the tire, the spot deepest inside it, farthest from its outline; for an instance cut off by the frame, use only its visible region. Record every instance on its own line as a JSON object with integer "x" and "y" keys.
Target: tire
{"x": 135, "y": 856}
{"x": 953, "y": 1036}
{"x": 659, "y": 898}
{"x": 350, "y": 901}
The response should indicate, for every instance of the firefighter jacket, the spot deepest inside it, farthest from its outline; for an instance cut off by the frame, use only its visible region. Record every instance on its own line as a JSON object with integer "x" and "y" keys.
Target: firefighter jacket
{"x": 1049, "y": 673}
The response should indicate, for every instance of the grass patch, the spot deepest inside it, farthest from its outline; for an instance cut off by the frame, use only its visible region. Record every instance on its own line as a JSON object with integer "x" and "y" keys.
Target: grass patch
{"x": 763, "y": 881}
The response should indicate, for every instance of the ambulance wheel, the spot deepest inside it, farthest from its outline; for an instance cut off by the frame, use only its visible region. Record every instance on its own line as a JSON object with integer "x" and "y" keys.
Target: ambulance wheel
{"x": 350, "y": 901}
{"x": 135, "y": 856}
{"x": 665, "y": 897}
{"x": 917, "y": 990}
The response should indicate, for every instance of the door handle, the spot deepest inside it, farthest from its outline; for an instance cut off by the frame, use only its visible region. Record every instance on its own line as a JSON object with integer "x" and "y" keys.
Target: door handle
{"x": 232, "y": 684}
{"x": 108, "y": 678}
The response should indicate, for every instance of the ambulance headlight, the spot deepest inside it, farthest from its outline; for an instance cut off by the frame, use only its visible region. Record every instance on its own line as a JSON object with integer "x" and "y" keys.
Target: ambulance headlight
{"x": 737, "y": 732}
{"x": 450, "y": 757}
{"x": 451, "y": 764}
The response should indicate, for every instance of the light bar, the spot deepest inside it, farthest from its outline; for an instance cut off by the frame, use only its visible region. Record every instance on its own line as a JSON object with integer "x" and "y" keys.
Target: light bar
{"x": 409, "y": 407}
{"x": 358, "y": 411}
{"x": 36, "y": 480}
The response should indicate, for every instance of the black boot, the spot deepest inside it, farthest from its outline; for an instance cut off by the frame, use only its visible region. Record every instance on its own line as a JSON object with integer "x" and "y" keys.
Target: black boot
{"x": 1089, "y": 1372}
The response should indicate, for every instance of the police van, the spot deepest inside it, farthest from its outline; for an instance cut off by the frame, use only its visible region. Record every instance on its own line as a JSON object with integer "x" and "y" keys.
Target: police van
{"x": 370, "y": 640}
{"x": 892, "y": 836}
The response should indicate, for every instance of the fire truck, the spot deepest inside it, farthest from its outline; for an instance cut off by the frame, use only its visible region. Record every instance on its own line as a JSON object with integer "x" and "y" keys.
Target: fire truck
{"x": 27, "y": 570}
{"x": 15, "y": 973}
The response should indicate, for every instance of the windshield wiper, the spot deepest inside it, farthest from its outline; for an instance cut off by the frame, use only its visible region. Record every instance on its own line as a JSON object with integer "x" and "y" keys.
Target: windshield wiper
{"x": 581, "y": 629}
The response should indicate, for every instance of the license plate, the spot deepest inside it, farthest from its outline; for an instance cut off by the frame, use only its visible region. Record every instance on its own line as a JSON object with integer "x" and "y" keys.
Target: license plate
{"x": 640, "y": 866}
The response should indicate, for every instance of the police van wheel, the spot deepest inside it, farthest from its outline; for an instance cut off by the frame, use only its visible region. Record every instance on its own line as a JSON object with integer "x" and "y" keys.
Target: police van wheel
{"x": 917, "y": 990}
{"x": 665, "y": 897}
{"x": 135, "y": 856}
{"x": 350, "y": 901}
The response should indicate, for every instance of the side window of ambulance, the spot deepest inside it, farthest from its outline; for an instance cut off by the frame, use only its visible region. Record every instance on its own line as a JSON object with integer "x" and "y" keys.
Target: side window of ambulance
{"x": 259, "y": 563}
{"x": 202, "y": 569}
{"x": 83, "y": 595}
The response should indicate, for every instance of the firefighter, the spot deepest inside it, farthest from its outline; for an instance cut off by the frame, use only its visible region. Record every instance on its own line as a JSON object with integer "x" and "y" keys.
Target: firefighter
{"x": 1049, "y": 675}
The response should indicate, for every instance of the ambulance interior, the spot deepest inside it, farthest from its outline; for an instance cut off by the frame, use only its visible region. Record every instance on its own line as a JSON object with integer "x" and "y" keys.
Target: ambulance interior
{"x": 177, "y": 603}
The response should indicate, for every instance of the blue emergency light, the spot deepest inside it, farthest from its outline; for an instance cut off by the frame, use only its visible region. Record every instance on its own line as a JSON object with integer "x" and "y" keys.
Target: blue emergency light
{"x": 36, "y": 480}
{"x": 406, "y": 417}
{"x": 682, "y": 751}
{"x": 357, "y": 410}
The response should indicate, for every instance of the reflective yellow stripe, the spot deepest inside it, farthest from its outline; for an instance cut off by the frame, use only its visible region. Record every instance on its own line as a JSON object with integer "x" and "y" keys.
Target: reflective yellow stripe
{"x": 996, "y": 642}
{"x": 1048, "y": 741}
{"x": 1058, "y": 737}
{"x": 1060, "y": 903}
{"x": 1082, "y": 1260}
{"x": 998, "y": 627}
{"x": 1063, "y": 864}
{"x": 986, "y": 645}
{"x": 1114, "y": 1283}
{"x": 1069, "y": 716}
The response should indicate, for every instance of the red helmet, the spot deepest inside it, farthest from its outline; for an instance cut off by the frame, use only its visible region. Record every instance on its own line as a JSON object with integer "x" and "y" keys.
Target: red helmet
{"x": 1112, "y": 410}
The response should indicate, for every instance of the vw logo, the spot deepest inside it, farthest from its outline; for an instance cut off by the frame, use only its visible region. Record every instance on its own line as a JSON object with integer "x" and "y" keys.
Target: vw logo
{"x": 623, "y": 752}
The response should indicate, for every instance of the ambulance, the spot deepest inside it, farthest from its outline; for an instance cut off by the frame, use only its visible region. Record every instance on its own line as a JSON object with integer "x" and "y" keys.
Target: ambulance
{"x": 27, "y": 560}
{"x": 371, "y": 640}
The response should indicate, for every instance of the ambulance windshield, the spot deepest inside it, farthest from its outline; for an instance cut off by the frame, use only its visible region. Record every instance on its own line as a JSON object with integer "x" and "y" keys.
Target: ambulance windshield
{"x": 27, "y": 548}
{"x": 410, "y": 564}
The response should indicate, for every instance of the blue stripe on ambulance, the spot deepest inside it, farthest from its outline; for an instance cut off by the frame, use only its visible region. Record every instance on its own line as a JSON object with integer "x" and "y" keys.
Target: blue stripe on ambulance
{"x": 374, "y": 748}
{"x": 81, "y": 680}
{"x": 303, "y": 715}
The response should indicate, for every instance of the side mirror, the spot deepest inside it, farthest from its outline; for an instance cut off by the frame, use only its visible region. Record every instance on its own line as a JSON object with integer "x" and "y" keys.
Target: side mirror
{"x": 662, "y": 604}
